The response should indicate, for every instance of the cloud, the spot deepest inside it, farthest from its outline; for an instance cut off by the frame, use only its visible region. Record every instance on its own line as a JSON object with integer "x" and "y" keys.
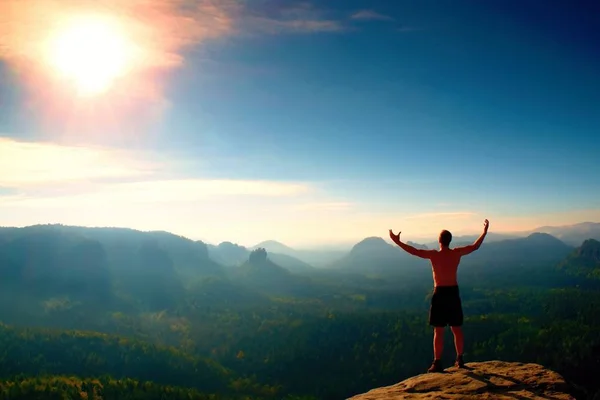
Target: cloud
{"x": 154, "y": 192}
{"x": 370, "y": 15}
{"x": 96, "y": 186}
{"x": 39, "y": 175}
{"x": 28, "y": 166}
{"x": 326, "y": 206}
{"x": 34, "y": 164}
{"x": 274, "y": 26}
{"x": 300, "y": 18}
{"x": 442, "y": 215}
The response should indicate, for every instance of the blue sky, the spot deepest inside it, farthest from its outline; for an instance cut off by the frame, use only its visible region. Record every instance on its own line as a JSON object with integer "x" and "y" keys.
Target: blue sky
{"x": 355, "y": 116}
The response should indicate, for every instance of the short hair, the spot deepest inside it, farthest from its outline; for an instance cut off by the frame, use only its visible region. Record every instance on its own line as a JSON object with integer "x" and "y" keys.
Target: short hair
{"x": 445, "y": 238}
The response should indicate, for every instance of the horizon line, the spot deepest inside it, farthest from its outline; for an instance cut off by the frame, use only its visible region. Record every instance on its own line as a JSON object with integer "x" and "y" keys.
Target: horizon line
{"x": 304, "y": 247}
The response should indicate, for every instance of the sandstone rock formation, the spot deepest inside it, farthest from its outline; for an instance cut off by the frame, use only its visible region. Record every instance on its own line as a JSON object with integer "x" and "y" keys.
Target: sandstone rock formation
{"x": 479, "y": 380}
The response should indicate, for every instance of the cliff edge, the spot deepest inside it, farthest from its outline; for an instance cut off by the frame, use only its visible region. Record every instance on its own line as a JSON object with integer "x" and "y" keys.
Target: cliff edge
{"x": 479, "y": 380}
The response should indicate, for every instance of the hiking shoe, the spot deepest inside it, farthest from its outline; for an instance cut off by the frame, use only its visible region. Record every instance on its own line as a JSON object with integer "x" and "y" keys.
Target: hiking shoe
{"x": 459, "y": 363}
{"x": 436, "y": 366}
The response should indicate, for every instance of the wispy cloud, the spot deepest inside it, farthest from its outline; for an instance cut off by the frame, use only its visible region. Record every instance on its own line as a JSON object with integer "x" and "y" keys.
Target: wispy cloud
{"x": 442, "y": 215}
{"x": 155, "y": 192}
{"x": 302, "y": 17}
{"x": 35, "y": 164}
{"x": 274, "y": 26}
{"x": 48, "y": 174}
{"x": 324, "y": 206}
{"x": 50, "y": 183}
{"x": 370, "y": 15}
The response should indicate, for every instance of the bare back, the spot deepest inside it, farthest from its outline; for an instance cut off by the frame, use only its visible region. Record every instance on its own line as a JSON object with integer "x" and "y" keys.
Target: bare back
{"x": 444, "y": 264}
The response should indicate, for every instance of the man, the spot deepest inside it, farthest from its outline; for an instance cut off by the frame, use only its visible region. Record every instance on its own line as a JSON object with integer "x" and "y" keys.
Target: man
{"x": 446, "y": 307}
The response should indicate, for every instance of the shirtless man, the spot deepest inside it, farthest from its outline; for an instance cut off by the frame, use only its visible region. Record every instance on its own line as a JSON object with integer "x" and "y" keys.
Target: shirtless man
{"x": 446, "y": 306}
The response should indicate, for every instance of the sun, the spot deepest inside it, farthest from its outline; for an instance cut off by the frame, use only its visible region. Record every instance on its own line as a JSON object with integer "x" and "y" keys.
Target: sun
{"x": 90, "y": 51}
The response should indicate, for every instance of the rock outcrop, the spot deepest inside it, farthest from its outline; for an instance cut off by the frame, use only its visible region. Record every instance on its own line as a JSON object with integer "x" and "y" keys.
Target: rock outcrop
{"x": 479, "y": 380}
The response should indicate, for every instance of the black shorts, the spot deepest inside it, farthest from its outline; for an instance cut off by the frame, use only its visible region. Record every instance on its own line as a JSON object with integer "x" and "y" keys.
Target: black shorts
{"x": 446, "y": 307}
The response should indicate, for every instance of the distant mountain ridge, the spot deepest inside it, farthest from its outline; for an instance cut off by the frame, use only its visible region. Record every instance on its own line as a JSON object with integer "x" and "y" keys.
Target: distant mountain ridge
{"x": 315, "y": 257}
{"x": 373, "y": 255}
{"x": 234, "y": 255}
{"x": 273, "y": 246}
{"x": 574, "y": 234}
{"x": 189, "y": 255}
{"x": 540, "y": 248}
{"x": 384, "y": 257}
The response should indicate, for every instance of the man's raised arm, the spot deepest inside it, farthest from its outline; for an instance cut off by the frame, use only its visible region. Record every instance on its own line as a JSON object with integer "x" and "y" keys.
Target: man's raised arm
{"x": 477, "y": 244}
{"x": 408, "y": 248}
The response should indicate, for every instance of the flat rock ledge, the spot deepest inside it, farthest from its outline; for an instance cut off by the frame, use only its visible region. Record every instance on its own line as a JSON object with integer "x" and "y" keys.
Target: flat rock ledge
{"x": 479, "y": 380}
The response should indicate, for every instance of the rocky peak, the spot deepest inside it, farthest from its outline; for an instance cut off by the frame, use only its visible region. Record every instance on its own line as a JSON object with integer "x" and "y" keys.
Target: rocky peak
{"x": 479, "y": 380}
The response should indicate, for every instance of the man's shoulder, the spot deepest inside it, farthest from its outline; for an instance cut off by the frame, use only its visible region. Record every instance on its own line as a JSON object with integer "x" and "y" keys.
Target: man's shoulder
{"x": 449, "y": 253}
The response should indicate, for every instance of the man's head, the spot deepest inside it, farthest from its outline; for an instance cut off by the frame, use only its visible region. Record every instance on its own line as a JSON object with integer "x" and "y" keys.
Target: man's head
{"x": 445, "y": 238}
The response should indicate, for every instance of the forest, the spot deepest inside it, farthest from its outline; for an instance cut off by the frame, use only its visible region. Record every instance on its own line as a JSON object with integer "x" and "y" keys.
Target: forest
{"x": 97, "y": 313}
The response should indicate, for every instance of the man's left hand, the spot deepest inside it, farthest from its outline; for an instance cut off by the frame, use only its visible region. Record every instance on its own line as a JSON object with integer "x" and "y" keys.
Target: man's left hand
{"x": 395, "y": 238}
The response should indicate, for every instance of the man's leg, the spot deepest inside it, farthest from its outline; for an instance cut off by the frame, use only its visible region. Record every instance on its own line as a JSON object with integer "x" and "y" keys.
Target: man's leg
{"x": 456, "y": 326}
{"x": 438, "y": 342}
{"x": 459, "y": 340}
{"x": 438, "y": 348}
{"x": 437, "y": 320}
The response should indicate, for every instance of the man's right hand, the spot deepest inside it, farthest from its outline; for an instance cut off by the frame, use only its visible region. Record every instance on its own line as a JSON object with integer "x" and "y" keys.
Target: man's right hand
{"x": 463, "y": 251}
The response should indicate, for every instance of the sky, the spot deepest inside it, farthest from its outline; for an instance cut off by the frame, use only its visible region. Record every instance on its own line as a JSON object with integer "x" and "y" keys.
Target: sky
{"x": 311, "y": 123}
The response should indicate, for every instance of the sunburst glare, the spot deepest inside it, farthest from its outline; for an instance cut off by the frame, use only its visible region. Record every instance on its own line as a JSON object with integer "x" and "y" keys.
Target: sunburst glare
{"x": 91, "y": 51}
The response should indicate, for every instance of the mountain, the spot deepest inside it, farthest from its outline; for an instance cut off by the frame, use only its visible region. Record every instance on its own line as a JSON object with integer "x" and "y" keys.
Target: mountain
{"x": 121, "y": 244}
{"x": 529, "y": 261}
{"x": 273, "y": 246}
{"x": 290, "y": 263}
{"x": 313, "y": 257}
{"x": 489, "y": 380}
{"x": 573, "y": 234}
{"x": 418, "y": 245}
{"x": 498, "y": 261}
{"x": 537, "y": 248}
{"x": 234, "y": 255}
{"x": 583, "y": 261}
{"x": 374, "y": 256}
{"x": 99, "y": 267}
{"x": 590, "y": 251}
{"x": 261, "y": 273}
{"x": 227, "y": 253}
{"x": 260, "y": 267}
